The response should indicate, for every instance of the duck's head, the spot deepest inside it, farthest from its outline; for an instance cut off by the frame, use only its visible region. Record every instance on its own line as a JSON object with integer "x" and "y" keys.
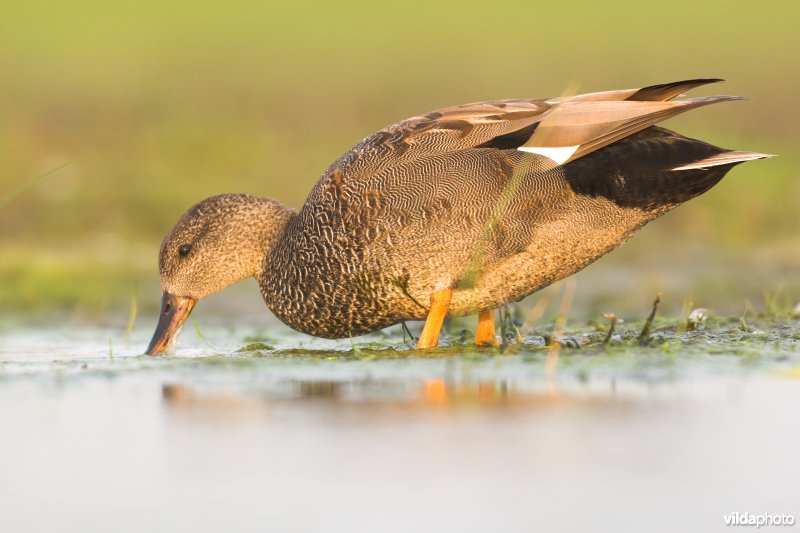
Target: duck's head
{"x": 216, "y": 243}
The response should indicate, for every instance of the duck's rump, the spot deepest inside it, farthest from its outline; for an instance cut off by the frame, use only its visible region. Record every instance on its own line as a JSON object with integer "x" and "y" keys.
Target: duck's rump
{"x": 652, "y": 170}
{"x": 493, "y": 223}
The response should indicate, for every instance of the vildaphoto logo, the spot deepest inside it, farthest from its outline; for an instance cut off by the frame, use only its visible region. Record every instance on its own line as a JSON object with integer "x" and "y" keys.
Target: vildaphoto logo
{"x": 758, "y": 520}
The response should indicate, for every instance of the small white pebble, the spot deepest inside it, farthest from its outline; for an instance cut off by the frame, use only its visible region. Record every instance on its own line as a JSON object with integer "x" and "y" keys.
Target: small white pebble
{"x": 698, "y": 317}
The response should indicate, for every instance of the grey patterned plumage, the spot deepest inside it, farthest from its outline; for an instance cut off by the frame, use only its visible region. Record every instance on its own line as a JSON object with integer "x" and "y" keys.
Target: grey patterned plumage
{"x": 462, "y": 198}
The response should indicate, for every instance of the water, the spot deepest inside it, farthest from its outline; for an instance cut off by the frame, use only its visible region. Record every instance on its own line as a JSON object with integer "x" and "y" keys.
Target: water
{"x": 328, "y": 439}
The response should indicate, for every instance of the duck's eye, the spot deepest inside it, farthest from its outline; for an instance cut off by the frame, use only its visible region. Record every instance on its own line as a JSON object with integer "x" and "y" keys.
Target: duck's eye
{"x": 185, "y": 249}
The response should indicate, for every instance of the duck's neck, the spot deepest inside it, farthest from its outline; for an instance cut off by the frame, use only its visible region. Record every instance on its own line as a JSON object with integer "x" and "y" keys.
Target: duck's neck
{"x": 262, "y": 230}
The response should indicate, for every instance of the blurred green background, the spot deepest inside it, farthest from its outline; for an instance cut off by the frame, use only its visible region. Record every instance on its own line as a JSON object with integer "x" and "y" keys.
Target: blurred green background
{"x": 160, "y": 104}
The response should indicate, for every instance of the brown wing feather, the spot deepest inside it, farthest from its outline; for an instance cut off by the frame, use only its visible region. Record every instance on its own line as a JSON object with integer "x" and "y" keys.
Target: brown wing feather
{"x": 589, "y": 126}
{"x": 660, "y": 92}
{"x": 668, "y": 91}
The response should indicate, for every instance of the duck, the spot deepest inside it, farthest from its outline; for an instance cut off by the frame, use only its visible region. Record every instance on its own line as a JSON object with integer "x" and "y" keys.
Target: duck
{"x": 455, "y": 212}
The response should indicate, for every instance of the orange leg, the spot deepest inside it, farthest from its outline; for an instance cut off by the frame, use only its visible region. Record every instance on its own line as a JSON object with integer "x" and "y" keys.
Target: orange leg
{"x": 484, "y": 335}
{"x": 440, "y": 301}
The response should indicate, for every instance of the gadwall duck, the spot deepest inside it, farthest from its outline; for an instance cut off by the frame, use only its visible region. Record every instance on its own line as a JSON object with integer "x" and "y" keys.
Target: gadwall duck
{"x": 456, "y": 212}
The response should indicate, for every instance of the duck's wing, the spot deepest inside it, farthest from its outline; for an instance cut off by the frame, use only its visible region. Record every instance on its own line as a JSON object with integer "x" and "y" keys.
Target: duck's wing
{"x": 562, "y": 129}
{"x": 413, "y": 166}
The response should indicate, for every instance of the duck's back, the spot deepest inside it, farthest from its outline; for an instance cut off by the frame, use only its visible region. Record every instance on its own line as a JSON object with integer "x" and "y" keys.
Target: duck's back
{"x": 454, "y": 200}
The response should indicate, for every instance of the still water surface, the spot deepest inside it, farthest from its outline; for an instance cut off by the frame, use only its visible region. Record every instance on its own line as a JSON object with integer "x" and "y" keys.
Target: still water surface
{"x": 626, "y": 442}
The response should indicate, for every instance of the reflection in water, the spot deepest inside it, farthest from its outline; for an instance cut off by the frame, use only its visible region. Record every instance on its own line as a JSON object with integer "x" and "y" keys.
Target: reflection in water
{"x": 327, "y": 390}
{"x": 433, "y": 394}
{"x": 259, "y": 444}
{"x": 212, "y": 407}
{"x": 439, "y": 394}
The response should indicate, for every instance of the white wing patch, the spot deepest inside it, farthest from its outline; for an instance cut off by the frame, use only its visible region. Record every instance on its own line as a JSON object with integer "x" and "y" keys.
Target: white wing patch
{"x": 559, "y": 154}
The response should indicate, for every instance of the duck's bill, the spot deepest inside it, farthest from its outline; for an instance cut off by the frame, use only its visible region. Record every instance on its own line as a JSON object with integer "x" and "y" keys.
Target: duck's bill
{"x": 174, "y": 312}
